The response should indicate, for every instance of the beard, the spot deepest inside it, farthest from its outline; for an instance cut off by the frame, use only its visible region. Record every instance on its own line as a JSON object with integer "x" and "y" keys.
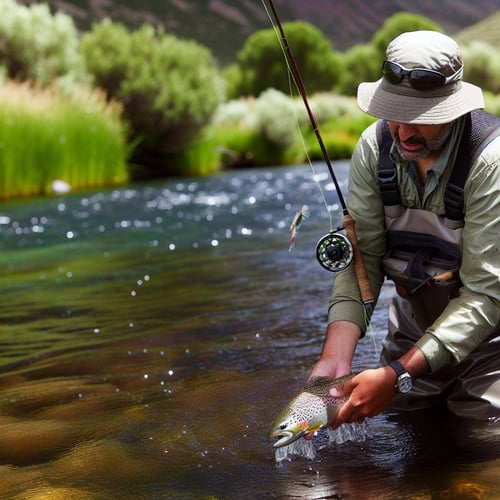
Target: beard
{"x": 429, "y": 146}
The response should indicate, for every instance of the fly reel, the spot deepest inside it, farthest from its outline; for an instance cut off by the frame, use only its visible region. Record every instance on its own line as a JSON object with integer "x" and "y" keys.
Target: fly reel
{"x": 334, "y": 251}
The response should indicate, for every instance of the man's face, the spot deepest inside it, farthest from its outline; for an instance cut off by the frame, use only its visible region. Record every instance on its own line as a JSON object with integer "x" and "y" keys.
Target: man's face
{"x": 419, "y": 141}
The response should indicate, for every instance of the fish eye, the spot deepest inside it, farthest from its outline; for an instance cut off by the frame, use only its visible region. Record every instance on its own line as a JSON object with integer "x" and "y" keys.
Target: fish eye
{"x": 283, "y": 427}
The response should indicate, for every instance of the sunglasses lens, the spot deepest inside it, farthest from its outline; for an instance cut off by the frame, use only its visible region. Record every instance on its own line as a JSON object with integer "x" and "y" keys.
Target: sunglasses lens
{"x": 425, "y": 80}
{"x": 392, "y": 72}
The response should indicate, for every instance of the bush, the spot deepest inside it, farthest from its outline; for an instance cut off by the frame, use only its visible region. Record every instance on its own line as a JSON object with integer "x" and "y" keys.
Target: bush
{"x": 492, "y": 103}
{"x": 36, "y": 45}
{"x": 397, "y": 24}
{"x": 261, "y": 63}
{"x": 482, "y": 66}
{"x": 169, "y": 88}
{"x": 361, "y": 64}
{"x": 274, "y": 128}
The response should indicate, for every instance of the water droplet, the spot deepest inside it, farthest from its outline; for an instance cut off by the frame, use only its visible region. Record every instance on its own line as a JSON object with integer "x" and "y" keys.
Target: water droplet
{"x": 171, "y": 246}
{"x": 214, "y": 243}
{"x": 170, "y": 372}
{"x": 97, "y": 330}
{"x": 133, "y": 293}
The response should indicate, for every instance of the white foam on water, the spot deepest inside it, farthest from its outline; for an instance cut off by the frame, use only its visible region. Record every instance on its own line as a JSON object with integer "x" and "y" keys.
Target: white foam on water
{"x": 323, "y": 439}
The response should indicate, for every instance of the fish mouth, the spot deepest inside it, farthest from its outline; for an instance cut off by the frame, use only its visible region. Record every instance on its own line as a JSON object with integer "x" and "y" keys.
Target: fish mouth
{"x": 287, "y": 437}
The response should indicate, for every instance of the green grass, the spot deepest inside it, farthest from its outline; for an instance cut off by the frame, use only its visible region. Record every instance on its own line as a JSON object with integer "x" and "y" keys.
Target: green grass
{"x": 46, "y": 135}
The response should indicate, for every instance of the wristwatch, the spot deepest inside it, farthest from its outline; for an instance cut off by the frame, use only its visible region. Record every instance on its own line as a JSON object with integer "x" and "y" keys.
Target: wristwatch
{"x": 404, "y": 382}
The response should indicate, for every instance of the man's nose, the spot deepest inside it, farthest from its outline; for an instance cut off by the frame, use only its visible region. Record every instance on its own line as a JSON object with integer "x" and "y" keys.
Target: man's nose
{"x": 406, "y": 130}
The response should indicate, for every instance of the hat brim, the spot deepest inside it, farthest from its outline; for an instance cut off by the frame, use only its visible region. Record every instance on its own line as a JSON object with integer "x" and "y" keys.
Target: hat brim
{"x": 402, "y": 104}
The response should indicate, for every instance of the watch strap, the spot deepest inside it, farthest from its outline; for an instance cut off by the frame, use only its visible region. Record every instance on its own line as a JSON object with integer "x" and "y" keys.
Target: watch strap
{"x": 397, "y": 367}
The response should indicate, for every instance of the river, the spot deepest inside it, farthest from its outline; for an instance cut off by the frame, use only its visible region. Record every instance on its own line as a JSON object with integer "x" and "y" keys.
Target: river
{"x": 149, "y": 335}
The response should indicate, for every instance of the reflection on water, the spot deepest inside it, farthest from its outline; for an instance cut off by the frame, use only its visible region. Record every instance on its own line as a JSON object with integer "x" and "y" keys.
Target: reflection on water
{"x": 149, "y": 335}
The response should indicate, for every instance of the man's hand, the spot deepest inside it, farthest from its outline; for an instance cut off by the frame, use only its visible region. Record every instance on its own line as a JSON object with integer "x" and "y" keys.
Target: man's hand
{"x": 371, "y": 391}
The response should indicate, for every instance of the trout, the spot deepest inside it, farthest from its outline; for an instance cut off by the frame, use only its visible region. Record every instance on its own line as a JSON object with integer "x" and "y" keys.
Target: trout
{"x": 311, "y": 410}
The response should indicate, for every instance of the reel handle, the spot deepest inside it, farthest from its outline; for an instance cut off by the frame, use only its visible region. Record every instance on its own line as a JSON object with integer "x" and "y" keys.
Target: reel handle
{"x": 359, "y": 266}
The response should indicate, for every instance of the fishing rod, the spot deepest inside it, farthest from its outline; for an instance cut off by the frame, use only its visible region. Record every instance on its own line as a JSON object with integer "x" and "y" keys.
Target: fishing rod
{"x": 334, "y": 251}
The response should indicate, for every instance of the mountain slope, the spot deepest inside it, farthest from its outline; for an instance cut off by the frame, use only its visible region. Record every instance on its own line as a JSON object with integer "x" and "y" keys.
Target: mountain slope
{"x": 224, "y": 25}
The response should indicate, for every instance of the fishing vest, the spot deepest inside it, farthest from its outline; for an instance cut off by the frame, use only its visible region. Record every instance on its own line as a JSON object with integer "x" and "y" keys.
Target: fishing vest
{"x": 424, "y": 249}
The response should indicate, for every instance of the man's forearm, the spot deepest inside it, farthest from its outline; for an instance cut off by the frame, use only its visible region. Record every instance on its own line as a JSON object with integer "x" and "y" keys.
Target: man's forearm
{"x": 338, "y": 349}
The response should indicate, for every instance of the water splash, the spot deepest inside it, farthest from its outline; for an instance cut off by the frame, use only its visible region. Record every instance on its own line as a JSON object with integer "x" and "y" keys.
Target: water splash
{"x": 323, "y": 439}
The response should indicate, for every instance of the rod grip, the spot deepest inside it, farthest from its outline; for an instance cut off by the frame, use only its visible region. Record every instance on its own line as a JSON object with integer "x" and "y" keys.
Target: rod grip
{"x": 359, "y": 266}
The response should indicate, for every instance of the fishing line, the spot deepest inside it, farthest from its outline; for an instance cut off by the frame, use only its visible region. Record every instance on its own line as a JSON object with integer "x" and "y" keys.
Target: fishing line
{"x": 294, "y": 71}
{"x": 335, "y": 251}
{"x": 291, "y": 77}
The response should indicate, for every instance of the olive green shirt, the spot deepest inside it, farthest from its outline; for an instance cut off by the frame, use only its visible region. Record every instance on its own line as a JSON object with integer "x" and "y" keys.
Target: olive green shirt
{"x": 468, "y": 319}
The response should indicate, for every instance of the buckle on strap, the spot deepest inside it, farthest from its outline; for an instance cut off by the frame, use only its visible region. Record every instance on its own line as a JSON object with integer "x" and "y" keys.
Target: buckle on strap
{"x": 388, "y": 183}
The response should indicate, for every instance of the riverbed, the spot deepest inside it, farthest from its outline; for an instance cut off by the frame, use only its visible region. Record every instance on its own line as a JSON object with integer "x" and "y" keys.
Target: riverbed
{"x": 150, "y": 333}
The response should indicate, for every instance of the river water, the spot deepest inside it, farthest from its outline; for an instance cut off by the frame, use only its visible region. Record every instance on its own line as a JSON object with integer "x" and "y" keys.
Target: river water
{"x": 150, "y": 334}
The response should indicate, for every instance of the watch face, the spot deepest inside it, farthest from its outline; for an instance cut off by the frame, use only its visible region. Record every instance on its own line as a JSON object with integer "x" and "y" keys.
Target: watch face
{"x": 405, "y": 383}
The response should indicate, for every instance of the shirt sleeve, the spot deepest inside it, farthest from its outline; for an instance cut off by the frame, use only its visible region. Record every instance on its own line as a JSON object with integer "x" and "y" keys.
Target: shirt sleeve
{"x": 472, "y": 317}
{"x": 365, "y": 206}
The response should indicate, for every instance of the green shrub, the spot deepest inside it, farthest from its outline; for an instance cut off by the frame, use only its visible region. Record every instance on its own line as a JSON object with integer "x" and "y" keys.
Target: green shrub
{"x": 361, "y": 63}
{"x": 339, "y": 136}
{"x": 36, "y": 45}
{"x": 261, "y": 63}
{"x": 169, "y": 88}
{"x": 46, "y": 135}
{"x": 482, "y": 66}
{"x": 492, "y": 103}
{"x": 265, "y": 131}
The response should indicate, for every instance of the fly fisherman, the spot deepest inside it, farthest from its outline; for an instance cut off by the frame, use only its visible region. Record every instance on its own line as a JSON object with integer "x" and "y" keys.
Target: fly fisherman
{"x": 435, "y": 233}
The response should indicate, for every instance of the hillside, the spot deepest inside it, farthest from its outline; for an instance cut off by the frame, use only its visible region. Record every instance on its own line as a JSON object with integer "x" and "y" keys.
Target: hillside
{"x": 486, "y": 30}
{"x": 224, "y": 25}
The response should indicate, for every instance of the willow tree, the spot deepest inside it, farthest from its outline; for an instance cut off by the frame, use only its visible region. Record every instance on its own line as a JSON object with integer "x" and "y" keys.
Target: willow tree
{"x": 169, "y": 88}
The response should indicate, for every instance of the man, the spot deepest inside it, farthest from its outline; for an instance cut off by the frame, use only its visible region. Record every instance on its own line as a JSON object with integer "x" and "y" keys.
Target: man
{"x": 442, "y": 345}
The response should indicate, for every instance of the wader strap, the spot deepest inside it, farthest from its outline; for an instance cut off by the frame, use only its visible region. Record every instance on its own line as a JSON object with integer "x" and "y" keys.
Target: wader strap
{"x": 479, "y": 130}
{"x": 387, "y": 175}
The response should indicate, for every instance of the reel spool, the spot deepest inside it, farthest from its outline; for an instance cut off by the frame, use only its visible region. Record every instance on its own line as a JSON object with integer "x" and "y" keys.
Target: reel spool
{"x": 334, "y": 251}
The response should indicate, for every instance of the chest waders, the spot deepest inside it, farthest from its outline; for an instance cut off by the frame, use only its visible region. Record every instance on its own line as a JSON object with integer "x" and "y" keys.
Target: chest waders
{"x": 424, "y": 249}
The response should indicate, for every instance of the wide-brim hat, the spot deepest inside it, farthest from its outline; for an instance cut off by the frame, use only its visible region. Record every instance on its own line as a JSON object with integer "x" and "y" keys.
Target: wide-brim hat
{"x": 403, "y": 104}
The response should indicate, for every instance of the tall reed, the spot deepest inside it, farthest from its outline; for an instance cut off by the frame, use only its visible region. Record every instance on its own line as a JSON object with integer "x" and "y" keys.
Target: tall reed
{"x": 48, "y": 135}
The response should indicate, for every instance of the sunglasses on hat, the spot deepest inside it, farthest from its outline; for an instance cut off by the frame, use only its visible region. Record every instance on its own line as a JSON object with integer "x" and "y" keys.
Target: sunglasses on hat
{"x": 418, "y": 78}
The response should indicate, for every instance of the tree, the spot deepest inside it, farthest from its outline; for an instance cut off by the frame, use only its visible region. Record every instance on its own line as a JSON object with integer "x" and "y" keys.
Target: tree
{"x": 397, "y": 24}
{"x": 262, "y": 64}
{"x": 36, "y": 45}
{"x": 482, "y": 66}
{"x": 169, "y": 88}
{"x": 361, "y": 63}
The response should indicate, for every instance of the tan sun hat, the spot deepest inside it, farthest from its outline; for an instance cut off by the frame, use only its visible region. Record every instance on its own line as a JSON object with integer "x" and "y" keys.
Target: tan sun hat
{"x": 401, "y": 102}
